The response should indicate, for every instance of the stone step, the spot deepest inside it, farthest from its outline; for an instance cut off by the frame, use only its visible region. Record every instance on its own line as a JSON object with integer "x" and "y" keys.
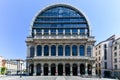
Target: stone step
{"x": 60, "y": 78}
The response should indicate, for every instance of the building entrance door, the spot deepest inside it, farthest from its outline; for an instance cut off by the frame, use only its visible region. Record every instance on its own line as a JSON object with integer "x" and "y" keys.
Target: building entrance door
{"x": 53, "y": 69}
{"x": 46, "y": 69}
{"x": 67, "y": 69}
{"x": 60, "y": 69}
{"x": 74, "y": 69}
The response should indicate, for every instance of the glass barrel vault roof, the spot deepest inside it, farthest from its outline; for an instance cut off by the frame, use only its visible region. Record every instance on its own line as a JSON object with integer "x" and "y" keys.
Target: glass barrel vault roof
{"x": 60, "y": 16}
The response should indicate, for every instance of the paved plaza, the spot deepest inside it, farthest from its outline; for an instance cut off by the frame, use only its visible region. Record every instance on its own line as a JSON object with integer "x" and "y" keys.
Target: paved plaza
{"x": 50, "y": 78}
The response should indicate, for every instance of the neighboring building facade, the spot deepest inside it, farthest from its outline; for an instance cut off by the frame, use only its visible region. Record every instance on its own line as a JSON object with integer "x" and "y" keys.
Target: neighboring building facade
{"x": 60, "y": 43}
{"x": 116, "y": 57}
{"x": 103, "y": 53}
{"x": 11, "y": 67}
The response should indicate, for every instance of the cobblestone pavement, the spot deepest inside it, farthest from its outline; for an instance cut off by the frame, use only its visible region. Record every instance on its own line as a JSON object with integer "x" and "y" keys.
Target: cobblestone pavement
{"x": 50, "y": 78}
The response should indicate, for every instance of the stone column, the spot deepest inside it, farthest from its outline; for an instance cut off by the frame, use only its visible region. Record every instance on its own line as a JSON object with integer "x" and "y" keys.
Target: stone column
{"x": 42, "y": 50}
{"x": 78, "y": 31}
{"x": 78, "y": 50}
{"x": 35, "y": 32}
{"x": 92, "y": 51}
{"x": 78, "y": 70}
{"x": 42, "y": 69}
{"x": 86, "y": 70}
{"x": 63, "y": 69}
{"x": 56, "y": 49}
{"x": 63, "y": 49}
{"x": 71, "y": 71}
{"x": 56, "y": 70}
{"x": 28, "y": 51}
{"x": 34, "y": 69}
{"x": 27, "y": 68}
{"x": 35, "y": 51}
{"x": 93, "y": 69}
{"x": 56, "y": 31}
{"x": 70, "y": 49}
{"x": 49, "y": 50}
{"x": 85, "y": 50}
{"x": 49, "y": 70}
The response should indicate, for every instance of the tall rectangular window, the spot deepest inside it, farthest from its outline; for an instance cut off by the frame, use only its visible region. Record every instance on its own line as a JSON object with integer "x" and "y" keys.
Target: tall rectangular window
{"x": 115, "y": 48}
{"x": 53, "y": 31}
{"x": 46, "y": 31}
{"x": 105, "y": 54}
{"x": 74, "y": 31}
{"x": 105, "y": 64}
{"x": 60, "y": 31}
{"x": 115, "y": 54}
{"x": 115, "y": 60}
{"x": 67, "y": 31}
{"x": 115, "y": 66}
{"x": 82, "y": 32}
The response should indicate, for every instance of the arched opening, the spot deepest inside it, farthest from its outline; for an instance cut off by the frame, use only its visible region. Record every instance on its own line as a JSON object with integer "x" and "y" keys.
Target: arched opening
{"x": 38, "y": 69}
{"x": 46, "y": 50}
{"x": 82, "y": 50}
{"x": 60, "y": 69}
{"x": 74, "y": 69}
{"x": 82, "y": 69}
{"x": 74, "y": 50}
{"x": 53, "y": 69}
{"x": 67, "y": 69}
{"x": 31, "y": 69}
{"x": 53, "y": 50}
{"x": 39, "y": 50}
{"x": 60, "y": 50}
{"x": 46, "y": 69}
{"x": 67, "y": 50}
{"x": 89, "y": 69}
{"x": 32, "y": 51}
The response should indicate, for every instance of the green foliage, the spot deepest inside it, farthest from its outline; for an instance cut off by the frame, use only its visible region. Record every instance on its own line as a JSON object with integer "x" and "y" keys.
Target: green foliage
{"x": 3, "y": 70}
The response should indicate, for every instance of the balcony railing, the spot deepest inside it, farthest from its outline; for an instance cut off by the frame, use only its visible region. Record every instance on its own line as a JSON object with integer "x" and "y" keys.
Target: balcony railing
{"x": 61, "y": 58}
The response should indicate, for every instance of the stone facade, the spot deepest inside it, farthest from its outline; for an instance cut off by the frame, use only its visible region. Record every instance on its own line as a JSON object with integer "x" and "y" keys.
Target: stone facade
{"x": 59, "y": 48}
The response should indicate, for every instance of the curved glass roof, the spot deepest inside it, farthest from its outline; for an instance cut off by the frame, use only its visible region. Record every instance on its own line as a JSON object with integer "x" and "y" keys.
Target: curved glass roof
{"x": 60, "y": 16}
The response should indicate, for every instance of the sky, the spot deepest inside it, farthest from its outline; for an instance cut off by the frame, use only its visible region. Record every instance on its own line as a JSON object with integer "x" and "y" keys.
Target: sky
{"x": 16, "y": 17}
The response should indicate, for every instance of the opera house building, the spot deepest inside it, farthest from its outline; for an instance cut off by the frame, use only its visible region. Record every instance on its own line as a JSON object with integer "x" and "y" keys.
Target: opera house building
{"x": 60, "y": 43}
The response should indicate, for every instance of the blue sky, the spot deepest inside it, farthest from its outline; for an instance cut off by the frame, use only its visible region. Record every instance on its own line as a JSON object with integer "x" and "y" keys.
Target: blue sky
{"x": 16, "y": 17}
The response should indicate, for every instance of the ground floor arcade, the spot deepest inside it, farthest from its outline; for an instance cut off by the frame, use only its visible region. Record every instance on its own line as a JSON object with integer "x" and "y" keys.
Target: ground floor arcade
{"x": 66, "y": 69}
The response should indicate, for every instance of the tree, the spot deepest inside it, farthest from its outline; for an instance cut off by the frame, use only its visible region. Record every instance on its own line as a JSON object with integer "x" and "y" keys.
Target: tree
{"x": 3, "y": 70}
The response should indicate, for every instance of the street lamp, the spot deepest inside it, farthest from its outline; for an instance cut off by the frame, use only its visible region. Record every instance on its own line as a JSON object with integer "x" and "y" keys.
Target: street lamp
{"x": 21, "y": 70}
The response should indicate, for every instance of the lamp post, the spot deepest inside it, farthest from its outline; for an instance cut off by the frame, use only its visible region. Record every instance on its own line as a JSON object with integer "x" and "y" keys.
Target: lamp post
{"x": 21, "y": 70}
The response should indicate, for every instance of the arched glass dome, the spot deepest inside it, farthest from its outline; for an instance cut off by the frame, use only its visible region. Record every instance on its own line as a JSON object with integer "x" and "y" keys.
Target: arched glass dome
{"x": 60, "y": 16}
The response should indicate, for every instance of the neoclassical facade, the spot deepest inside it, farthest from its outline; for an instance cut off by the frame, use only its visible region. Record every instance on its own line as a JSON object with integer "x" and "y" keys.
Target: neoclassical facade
{"x": 60, "y": 43}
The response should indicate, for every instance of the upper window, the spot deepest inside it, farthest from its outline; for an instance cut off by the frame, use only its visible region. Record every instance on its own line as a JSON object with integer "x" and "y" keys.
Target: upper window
{"x": 53, "y": 50}
{"x": 67, "y": 50}
{"x": 105, "y": 46}
{"x": 53, "y": 31}
{"x": 89, "y": 51}
{"x": 60, "y": 31}
{"x": 67, "y": 31}
{"x": 82, "y": 32}
{"x": 39, "y": 50}
{"x": 46, "y": 31}
{"x": 82, "y": 50}
{"x": 74, "y": 50}
{"x": 32, "y": 51}
{"x": 74, "y": 31}
{"x": 60, "y": 50}
{"x": 46, "y": 50}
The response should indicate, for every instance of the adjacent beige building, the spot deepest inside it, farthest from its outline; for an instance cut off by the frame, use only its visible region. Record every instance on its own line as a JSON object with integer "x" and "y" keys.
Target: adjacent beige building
{"x": 116, "y": 57}
{"x": 103, "y": 54}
